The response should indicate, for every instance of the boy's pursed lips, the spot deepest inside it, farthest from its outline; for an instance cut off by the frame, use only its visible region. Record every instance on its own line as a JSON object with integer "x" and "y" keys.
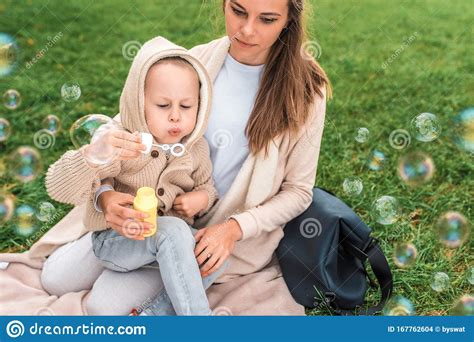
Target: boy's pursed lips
{"x": 174, "y": 131}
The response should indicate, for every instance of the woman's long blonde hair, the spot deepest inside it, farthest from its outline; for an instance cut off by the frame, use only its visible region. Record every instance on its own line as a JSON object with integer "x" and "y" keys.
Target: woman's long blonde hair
{"x": 289, "y": 85}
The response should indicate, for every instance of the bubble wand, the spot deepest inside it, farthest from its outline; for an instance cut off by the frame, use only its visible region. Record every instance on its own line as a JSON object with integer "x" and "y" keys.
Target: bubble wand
{"x": 176, "y": 150}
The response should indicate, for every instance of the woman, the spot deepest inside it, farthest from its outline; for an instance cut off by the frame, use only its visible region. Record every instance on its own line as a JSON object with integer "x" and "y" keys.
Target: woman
{"x": 264, "y": 131}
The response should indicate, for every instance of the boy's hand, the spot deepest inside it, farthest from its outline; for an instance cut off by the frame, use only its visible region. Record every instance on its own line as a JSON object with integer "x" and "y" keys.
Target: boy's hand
{"x": 116, "y": 145}
{"x": 119, "y": 217}
{"x": 190, "y": 203}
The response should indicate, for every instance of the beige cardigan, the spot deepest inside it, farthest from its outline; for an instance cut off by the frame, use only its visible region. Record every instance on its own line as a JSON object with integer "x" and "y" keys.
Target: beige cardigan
{"x": 267, "y": 192}
{"x": 72, "y": 180}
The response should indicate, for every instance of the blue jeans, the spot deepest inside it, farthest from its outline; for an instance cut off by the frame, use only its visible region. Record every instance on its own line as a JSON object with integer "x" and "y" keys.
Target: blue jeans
{"x": 172, "y": 247}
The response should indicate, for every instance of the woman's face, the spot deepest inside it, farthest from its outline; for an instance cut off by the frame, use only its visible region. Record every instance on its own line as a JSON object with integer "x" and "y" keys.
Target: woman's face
{"x": 253, "y": 26}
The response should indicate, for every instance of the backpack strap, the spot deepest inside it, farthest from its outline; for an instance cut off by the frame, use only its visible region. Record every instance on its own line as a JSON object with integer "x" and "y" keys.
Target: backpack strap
{"x": 374, "y": 254}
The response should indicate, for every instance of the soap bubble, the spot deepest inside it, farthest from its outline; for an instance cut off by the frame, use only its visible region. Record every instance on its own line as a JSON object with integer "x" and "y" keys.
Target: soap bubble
{"x": 452, "y": 229}
{"x": 11, "y": 99}
{"x": 4, "y": 129}
{"x": 439, "y": 281}
{"x": 25, "y": 163}
{"x": 416, "y": 168}
{"x": 45, "y": 212}
{"x": 470, "y": 275}
{"x": 404, "y": 255}
{"x": 7, "y": 205}
{"x": 426, "y": 127}
{"x": 464, "y": 306}
{"x": 464, "y": 129}
{"x": 8, "y": 54}
{"x": 52, "y": 123}
{"x": 386, "y": 210}
{"x": 70, "y": 91}
{"x": 82, "y": 131}
{"x": 89, "y": 130}
{"x": 376, "y": 160}
{"x": 362, "y": 135}
{"x": 24, "y": 221}
{"x": 352, "y": 186}
{"x": 399, "y": 306}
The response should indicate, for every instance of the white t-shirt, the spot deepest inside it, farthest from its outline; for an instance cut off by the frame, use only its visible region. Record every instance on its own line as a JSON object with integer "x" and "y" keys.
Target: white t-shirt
{"x": 235, "y": 90}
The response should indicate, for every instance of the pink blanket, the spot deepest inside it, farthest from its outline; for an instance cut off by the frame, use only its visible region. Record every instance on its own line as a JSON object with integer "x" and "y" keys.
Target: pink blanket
{"x": 261, "y": 293}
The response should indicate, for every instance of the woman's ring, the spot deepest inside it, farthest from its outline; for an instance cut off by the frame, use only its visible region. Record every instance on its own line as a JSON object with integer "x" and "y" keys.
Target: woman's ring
{"x": 209, "y": 255}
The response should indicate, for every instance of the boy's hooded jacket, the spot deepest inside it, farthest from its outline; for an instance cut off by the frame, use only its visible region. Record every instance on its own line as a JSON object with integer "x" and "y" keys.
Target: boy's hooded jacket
{"x": 72, "y": 180}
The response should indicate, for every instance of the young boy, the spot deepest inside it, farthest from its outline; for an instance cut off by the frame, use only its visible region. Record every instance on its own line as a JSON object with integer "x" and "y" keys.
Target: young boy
{"x": 167, "y": 94}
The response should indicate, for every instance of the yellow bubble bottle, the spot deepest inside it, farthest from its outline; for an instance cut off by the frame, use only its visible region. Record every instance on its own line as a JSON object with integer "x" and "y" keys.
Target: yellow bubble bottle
{"x": 146, "y": 202}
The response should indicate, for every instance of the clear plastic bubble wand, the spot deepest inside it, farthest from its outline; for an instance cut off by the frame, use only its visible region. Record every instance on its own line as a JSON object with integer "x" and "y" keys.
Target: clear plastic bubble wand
{"x": 176, "y": 150}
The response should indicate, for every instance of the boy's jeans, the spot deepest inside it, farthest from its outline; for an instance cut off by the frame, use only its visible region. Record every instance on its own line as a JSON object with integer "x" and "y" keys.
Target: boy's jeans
{"x": 173, "y": 248}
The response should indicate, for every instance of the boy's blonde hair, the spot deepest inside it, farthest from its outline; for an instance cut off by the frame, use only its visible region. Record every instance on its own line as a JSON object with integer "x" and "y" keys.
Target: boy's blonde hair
{"x": 176, "y": 60}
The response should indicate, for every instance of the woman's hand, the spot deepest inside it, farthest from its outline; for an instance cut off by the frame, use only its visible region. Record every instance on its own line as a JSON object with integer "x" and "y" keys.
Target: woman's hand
{"x": 214, "y": 244}
{"x": 120, "y": 145}
{"x": 190, "y": 203}
{"x": 120, "y": 217}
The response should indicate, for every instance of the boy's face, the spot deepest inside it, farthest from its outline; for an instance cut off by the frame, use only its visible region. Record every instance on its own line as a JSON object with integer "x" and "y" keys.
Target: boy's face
{"x": 171, "y": 101}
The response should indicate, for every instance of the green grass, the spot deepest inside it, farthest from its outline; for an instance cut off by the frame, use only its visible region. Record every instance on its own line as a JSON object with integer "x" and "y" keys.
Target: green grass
{"x": 432, "y": 74}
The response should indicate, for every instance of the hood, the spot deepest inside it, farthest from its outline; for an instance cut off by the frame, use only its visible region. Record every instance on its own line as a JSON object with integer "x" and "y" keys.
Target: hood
{"x": 132, "y": 100}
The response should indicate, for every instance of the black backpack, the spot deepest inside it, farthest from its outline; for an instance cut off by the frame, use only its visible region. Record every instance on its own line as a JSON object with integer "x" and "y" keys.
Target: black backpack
{"x": 323, "y": 253}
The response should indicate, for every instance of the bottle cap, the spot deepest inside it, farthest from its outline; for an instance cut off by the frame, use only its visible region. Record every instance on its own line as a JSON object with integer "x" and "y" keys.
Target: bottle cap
{"x": 146, "y": 192}
{"x": 145, "y": 196}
